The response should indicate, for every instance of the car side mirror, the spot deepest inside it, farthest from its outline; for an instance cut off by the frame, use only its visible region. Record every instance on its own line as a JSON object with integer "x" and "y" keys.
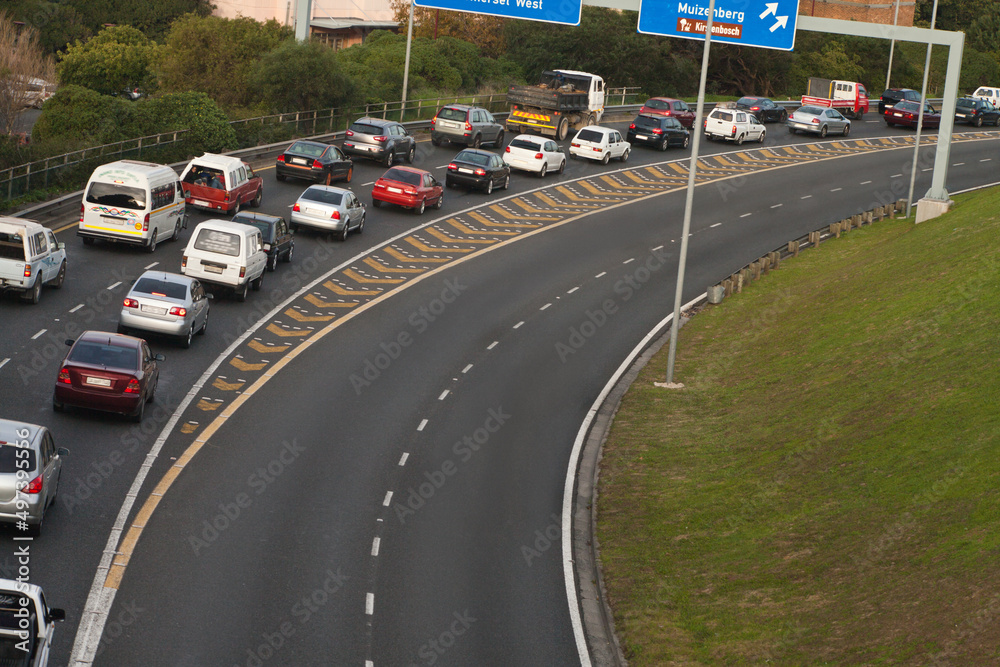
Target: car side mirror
{"x": 57, "y": 614}
{"x": 159, "y": 357}
{"x": 209, "y": 296}
{"x": 62, "y": 451}
{"x": 69, "y": 341}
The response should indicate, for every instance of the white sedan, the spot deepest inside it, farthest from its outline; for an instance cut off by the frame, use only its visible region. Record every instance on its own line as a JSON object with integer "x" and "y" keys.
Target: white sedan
{"x": 599, "y": 143}
{"x": 537, "y": 154}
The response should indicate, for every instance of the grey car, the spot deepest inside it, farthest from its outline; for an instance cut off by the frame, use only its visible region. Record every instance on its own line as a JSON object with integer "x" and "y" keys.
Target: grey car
{"x": 30, "y": 465}
{"x": 466, "y": 125}
{"x": 166, "y": 303}
{"x": 329, "y": 209}
{"x": 381, "y": 140}
{"x": 820, "y": 120}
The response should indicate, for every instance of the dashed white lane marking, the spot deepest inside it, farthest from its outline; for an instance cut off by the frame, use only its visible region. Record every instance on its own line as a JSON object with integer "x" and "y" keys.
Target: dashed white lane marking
{"x": 388, "y": 499}
{"x": 402, "y": 459}
{"x": 548, "y": 305}
{"x": 423, "y": 423}
{"x": 864, "y": 183}
{"x": 370, "y": 604}
{"x": 467, "y": 368}
{"x": 573, "y": 290}
{"x": 777, "y": 206}
{"x": 929, "y": 168}
{"x": 836, "y": 189}
{"x": 76, "y": 308}
{"x": 717, "y": 224}
{"x": 601, "y": 274}
{"x": 375, "y": 544}
{"x": 114, "y": 285}
{"x": 4, "y": 362}
{"x": 519, "y": 324}
{"x": 659, "y": 247}
{"x": 151, "y": 266}
{"x": 806, "y": 197}
{"x": 985, "y": 159}
{"x": 629, "y": 260}
{"x": 746, "y": 215}
{"x": 443, "y": 166}
{"x": 369, "y": 183}
{"x": 958, "y": 164}
{"x": 39, "y": 334}
{"x": 896, "y": 176}
{"x": 369, "y": 663}
{"x": 492, "y": 345}
{"x": 443, "y": 394}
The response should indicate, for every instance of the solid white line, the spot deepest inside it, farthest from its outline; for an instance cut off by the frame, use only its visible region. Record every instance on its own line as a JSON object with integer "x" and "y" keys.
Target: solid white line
{"x": 467, "y": 368}
{"x": 151, "y": 266}
{"x": 602, "y": 273}
{"x": 402, "y": 459}
{"x": 443, "y": 394}
{"x": 777, "y": 206}
{"x": 388, "y": 499}
{"x": 806, "y": 197}
{"x": 492, "y": 345}
{"x": 628, "y": 260}
{"x": 836, "y": 190}
{"x": 575, "y": 289}
{"x": 864, "y": 182}
{"x": 423, "y": 423}
{"x": 114, "y": 285}
{"x": 568, "y": 488}
{"x": 519, "y": 324}
{"x": 370, "y": 604}
{"x": 548, "y": 305}
{"x": 39, "y": 334}
{"x": 4, "y": 362}
{"x": 76, "y": 308}
{"x": 717, "y": 224}
{"x": 375, "y": 544}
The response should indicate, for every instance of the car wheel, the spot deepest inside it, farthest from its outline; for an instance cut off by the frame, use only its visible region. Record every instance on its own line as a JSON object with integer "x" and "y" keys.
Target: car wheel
{"x": 342, "y": 236}
{"x": 350, "y": 174}
{"x": 888, "y": 123}
{"x": 377, "y": 203}
{"x": 847, "y": 129}
{"x": 562, "y": 166}
{"x": 783, "y": 117}
{"x": 996, "y": 123}
{"x": 477, "y": 141}
{"x": 708, "y": 137}
{"x": 979, "y": 121}
{"x": 279, "y": 177}
{"x": 543, "y": 170}
{"x": 35, "y": 293}
{"x": 177, "y": 231}
{"x": 665, "y": 144}
{"x": 822, "y": 131}
{"x": 423, "y": 206}
{"x": 327, "y": 177}
{"x": 390, "y": 157}
{"x": 137, "y": 415}
{"x": 236, "y": 207}
{"x": 624, "y": 156}
{"x": 361, "y": 225}
{"x": 760, "y": 139}
{"x": 411, "y": 155}
{"x": 607, "y": 156}
{"x": 255, "y": 202}
{"x": 499, "y": 142}
{"x": 687, "y": 141}
{"x": 506, "y": 182}
{"x": 241, "y": 292}
{"x": 272, "y": 262}
{"x": 258, "y": 283}
{"x": 739, "y": 140}
{"x": 291, "y": 249}
{"x": 57, "y": 406}
{"x": 489, "y": 186}
{"x": 440, "y": 201}
{"x": 204, "y": 326}
{"x": 186, "y": 340}
{"x": 151, "y": 246}
{"x": 60, "y": 277}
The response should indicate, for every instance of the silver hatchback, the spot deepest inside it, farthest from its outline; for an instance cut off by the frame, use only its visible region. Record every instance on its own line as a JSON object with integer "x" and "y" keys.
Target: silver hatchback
{"x": 329, "y": 209}
{"x": 30, "y": 465}
{"x": 819, "y": 120}
{"x": 166, "y": 303}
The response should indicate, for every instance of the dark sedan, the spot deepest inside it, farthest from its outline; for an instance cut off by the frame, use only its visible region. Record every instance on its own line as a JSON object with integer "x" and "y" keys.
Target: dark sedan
{"x": 314, "y": 161}
{"x": 976, "y": 111}
{"x": 274, "y": 232}
{"x": 109, "y": 372}
{"x": 478, "y": 169}
{"x": 764, "y": 109}
{"x": 906, "y": 113}
{"x": 658, "y": 131}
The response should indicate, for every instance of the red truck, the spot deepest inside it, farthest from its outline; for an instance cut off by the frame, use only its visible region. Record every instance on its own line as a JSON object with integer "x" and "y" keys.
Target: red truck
{"x": 848, "y": 97}
{"x": 221, "y": 183}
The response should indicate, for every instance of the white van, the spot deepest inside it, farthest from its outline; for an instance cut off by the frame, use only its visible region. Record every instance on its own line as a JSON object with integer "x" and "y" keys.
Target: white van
{"x": 989, "y": 93}
{"x": 226, "y": 253}
{"x": 30, "y": 257}
{"x": 132, "y": 202}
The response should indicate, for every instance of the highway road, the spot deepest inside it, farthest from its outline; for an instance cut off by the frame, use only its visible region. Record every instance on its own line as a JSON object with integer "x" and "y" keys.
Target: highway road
{"x": 374, "y": 474}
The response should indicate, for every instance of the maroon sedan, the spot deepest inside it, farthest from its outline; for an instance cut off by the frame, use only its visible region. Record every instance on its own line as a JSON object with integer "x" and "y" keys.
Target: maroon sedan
{"x": 106, "y": 371}
{"x": 668, "y": 106}
{"x": 408, "y": 187}
{"x": 906, "y": 113}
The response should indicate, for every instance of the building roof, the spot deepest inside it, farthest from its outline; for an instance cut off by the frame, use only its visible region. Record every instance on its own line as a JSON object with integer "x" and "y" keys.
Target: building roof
{"x": 332, "y": 23}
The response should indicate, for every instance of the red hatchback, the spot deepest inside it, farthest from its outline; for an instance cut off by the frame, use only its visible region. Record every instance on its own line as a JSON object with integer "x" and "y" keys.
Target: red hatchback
{"x": 668, "y": 106}
{"x": 106, "y": 371}
{"x": 408, "y": 187}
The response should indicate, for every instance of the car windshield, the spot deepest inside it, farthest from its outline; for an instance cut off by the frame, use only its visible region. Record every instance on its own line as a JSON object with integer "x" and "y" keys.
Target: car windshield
{"x": 365, "y": 128}
{"x": 590, "y": 135}
{"x": 214, "y": 240}
{"x": 403, "y": 176}
{"x": 812, "y": 111}
{"x": 748, "y": 101}
{"x": 726, "y": 116}
{"x": 906, "y": 105}
{"x": 113, "y": 194}
{"x": 657, "y": 104}
{"x": 101, "y": 354}
{"x": 525, "y": 144}
{"x": 473, "y": 157}
{"x": 307, "y": 149}
{"x": 9, "y": 456}
{"x": 157, "y": 287}
{"x": 451, "y": 114}
{"x": 322, "y": 196}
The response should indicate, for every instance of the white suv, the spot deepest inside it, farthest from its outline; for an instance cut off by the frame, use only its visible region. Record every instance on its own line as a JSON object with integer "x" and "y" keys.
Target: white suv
{"x": 599, "y": 143}
{"x": 30, "y": 256}
{"x": 988, "y": 93}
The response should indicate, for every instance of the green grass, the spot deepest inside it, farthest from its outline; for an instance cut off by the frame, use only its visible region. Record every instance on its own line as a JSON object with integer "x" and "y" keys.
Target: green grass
{"x": 826, "y": 488}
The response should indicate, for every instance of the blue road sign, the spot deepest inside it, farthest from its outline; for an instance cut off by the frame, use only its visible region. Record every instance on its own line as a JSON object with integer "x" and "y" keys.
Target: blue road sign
{"x": 549, "y": 11}
{"x": 768, "y": 25}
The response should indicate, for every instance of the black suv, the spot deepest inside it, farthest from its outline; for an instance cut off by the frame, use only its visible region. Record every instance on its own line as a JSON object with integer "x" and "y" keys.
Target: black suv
{"x": 893, "y": 95}
{"x": 380, "y": 140}
{"x": 659, "y": 132}
{"x": 277, "y": 239}
{"x": 467, "y": 125}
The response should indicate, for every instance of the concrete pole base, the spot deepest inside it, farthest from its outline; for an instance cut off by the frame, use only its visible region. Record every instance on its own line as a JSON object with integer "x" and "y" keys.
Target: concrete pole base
{"x": 669, "y": 385}
{"x": 928, "y": 209}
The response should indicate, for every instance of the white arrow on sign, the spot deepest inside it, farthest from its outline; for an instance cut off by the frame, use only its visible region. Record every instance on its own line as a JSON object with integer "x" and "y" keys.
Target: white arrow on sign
{"x": 782, "y": 22}
{"x": 772, "y": 8}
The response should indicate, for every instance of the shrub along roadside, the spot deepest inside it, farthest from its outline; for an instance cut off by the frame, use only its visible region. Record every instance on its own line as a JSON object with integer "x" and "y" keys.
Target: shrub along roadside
{"x": 823, "y": 491}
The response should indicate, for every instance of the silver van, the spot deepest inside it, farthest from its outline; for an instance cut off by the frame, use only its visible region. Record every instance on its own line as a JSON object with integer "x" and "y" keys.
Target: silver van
{"x": 30, "y": 465}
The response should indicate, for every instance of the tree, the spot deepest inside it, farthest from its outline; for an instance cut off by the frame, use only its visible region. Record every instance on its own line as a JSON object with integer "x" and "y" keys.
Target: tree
{"x": 21, "y": 61}
{"x": 297, "y": 76}
{"x": 486, "y": 32}
{"x": 57, "y": 23}
{"x": 116, "y": 59}
{"x": 218, "y": 56}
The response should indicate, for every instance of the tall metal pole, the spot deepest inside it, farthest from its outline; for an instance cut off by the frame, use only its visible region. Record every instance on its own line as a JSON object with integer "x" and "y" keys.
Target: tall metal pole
{"x": 920, "y": 116}
{"x": 406, "y": 65}
{"x": 892, "y": 44}
{"x": 689, "y": 201}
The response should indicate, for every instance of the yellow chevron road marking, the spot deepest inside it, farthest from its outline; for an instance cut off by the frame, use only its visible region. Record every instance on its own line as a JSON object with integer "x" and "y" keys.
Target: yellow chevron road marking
{"x": 244, "y": 366}
{"x": 267, "y": 349}
{"x": 389, "y": 250}
{"x": 340, "y": 291}
{"x": 632, "y": 176}
{"x": 549, "y": 201}
{"x": 530, "y": 208}
{"x": 618, "y": 186}
{"x": 357, "y": 277}
{"x": 385, "y": 268}
{"x": 323, "y": 303}
{"x": 569, "y": 194}
{"x": 222, "y": 385}
{"x": 437, "y": 233}
{"x": 478, "y": 218}
{"x": 299, "y": 317}
{"x": 423, "y": 247}
{"x": 285, "y": 333}
{"x": 208, "y": 406}
{"x": 189, "y": 428}
{"x": 513, "y": 216}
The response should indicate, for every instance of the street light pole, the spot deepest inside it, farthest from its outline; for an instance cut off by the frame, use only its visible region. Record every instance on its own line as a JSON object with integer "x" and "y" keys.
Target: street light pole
{"x": 406, "y": 65}
{"x": 892, "y": 45}
{"x": 920, "y": 116}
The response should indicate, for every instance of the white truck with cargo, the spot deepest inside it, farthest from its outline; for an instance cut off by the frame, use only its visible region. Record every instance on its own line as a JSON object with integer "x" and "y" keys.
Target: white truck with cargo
{"x": 562, "y": 98}
{"x": 848, "y": 97}
{"x": 30, "y": 257}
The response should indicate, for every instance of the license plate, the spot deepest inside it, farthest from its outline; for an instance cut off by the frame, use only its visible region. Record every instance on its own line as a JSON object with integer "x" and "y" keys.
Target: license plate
{"x": 213, "y": 269}
{"x": 299, "y": 161}
{"x": 447, "y": 123}
{"x": 112, "y": 221}
{"x": 99, "y": 382}
{"x": 960, "y": 115}
{"x": 464, "y": 170}
{"x": 641, "y": 136}
{"x": 314, "y": 211}
{"x": 396, "y": 190}
{"x": 898, "y": 115}
{"x": 198, "y": 202}
{"x": 153, "y": 309}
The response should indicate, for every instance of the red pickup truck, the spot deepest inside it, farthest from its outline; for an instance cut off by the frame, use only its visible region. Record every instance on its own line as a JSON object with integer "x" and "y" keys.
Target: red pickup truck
{"x": 221, "y": 183}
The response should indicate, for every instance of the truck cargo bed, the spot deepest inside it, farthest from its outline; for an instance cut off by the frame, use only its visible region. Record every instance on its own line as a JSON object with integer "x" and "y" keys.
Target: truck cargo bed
{"x": 547, "y": 98}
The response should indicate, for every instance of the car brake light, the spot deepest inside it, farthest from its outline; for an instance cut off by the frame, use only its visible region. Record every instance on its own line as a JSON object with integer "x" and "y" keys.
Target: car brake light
{"x": 452, "y": 166}
{"x": 243, "y": 271}
{"x": 145, "y": 223}
{"x": 575, "y": 145}
{"x": 410, "y": 191}
{"x": 381, "y": 139}
{"x": 507, "y": 150}
{"x": 631, "y": 126}
{"x": 27, "y": 270}
{"x": 433, "y": 120}
{"x": 815, "y": 121}
{"x": 184, "y": 261}
{"x": 538, "y": 156}
{"x": 133, "y": 387}
{"x": 666, "y": 113}
{"x": 350, "y": 134}
{"x": 180, "y": 312}
{"x": 468, "y": 127}
{"x": 317, "y": 164}
{"x": 82, "y": 209}
{"x": 335, "y": 215}
{"x": 281, "y": 158}
{"x": 734, "y": 130}
{"x": 596, "y": 150}
{"x": 131, "y": 303}
{"x": 657, "y": 130}
{"x": 754, "y": 108}
{"x": 34, "y": 486}
{"x": 296, "y": 207}
{"x": 480, "y": 172}
{"x": 64, "y": 377}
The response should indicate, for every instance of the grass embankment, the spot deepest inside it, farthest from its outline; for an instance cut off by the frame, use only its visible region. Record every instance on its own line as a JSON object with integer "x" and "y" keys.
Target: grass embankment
{"x": 826, "y": 489}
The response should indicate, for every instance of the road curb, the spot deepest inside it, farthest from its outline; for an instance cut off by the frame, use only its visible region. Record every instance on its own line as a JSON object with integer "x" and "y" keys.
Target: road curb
{"x": 598, "y": 621}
